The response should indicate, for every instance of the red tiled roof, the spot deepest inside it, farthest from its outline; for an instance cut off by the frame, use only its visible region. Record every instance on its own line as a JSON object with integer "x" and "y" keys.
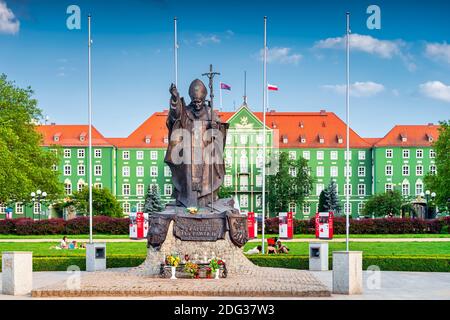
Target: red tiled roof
{"x": 313, "y": 124}
{"x": 69, "y": 135}
{"x": 372, "y": 141}
{"x": 416, "y": 135}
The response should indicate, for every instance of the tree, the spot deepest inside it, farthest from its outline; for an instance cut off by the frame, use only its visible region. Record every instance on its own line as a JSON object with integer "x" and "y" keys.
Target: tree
{"x": 103, "y": 202}
{"x": 334, "y": 204}
{"x": 384, "y": 204}
{"x": 328, "y": 199}
{"x": 24, "y": 165}
{"x": 440, "y": 183}
{"x": 152, "y": 200}
{"x": 291, "y": 184}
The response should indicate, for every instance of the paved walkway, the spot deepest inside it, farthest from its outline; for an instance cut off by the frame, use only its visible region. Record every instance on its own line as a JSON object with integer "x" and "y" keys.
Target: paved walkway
{"x": 391, "y": 286}
{"x": 253, "y": 240}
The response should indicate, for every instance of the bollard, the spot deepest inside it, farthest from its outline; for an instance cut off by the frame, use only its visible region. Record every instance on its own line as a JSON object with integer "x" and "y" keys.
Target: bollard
{"x": 347, "y": 272}
{"x": 17, "y": 273}
{"x": 318, "y": 256}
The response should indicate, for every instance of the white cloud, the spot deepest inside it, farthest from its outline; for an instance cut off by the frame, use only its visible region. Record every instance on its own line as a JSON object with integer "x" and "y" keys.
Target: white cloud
{"x": 435, "y": 90}
{"x": 385, "y": 49}
{"x": 8, "y": 21}
{"x": 357, "y": 89}
{"x": 281, "y": 55}
{"x": 202, "y": 39}
{"x": 438, "y": 51}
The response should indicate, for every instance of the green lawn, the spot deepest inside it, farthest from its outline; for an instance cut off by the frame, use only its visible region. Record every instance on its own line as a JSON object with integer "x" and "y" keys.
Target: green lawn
{"x": 367, "y": 236}
{"x": 375, "y": 248}
{"x": 59, "y": 236}
{"x": 297, "y": 236}
{"x": 45, "y": 248}
{"x": 300, "y": 248}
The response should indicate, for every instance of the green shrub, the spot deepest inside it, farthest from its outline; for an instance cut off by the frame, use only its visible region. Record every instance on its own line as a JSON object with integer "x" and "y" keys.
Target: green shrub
{"x": 385, "y": 263}
{"x": 62, "y": 263}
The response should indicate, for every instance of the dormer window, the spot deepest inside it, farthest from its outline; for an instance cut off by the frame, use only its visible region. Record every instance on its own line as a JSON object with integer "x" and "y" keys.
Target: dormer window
{"x": 321, "y": 139}
{"x": 302, "y": 139}
{"x": 56, "y": 137}
{"x": 403, "y": 137}
{"x": 285, "y": 139}
{"x": 82, "y": 137}
{"x": 274, "y": 124}
{"x": 339, "y": 139}
{"x": 301, "y": 124}
{"x": 147, "y": 139}
{"x": 429, "y": 137}
{"x": 166, "y": 140}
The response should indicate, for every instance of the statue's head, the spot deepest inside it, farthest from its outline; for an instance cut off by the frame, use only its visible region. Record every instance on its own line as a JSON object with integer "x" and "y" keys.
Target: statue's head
{"x": 197, "y": 92}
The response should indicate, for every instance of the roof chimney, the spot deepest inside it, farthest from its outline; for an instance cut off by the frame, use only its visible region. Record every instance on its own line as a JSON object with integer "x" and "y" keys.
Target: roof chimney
{"x": 430, "y": 124}
{"x": 323, "y": 112}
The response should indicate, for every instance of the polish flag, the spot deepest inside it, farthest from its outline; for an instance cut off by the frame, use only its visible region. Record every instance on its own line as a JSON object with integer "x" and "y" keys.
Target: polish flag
{"x": 272, "y": 87}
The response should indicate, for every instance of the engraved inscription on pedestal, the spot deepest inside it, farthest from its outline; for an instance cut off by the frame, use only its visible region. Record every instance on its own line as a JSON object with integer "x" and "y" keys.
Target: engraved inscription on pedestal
{"x": 205, "y": 228}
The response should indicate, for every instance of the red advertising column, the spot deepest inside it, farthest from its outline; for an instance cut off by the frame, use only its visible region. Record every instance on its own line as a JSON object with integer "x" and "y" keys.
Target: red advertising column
{"x": 140, "y": 225}
{"x": 251, "y": 225}
{"x": 290, "y": 225}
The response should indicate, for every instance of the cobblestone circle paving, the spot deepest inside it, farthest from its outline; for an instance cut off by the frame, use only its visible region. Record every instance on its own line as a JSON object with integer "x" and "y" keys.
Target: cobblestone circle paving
{"x": 254, "y": 282}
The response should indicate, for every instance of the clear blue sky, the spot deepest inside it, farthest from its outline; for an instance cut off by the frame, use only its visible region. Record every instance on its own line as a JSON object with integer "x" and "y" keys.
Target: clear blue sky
{"x": 400, "y": 74}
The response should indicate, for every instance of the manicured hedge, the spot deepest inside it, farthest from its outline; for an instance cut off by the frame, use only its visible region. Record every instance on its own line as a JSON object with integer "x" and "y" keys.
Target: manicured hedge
{"x": 301, "y": 262}
{"x": 63, "y": 263}
{"x": 80, "y": 225}
{"x": 118, "y": 226}
{"x": 369, "y": 226}
{"x": 385, "y": 263}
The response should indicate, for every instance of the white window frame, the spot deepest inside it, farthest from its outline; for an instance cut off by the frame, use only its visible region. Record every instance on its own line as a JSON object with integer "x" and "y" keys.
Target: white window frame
{"x": 389, "y": 153}
{"x": 153, "y": 171}
{"x": 168, "y": 189}
{"x": 419, "y": 172}
{"x": 243, "y": 201}
{"x": 139, "y": 155}
{"x": 97, "y": 153}
{"x": 334, "y": 155}
{"x": 140, "y": 189}
{"x": 126, "y": 189}
{"x": 153, "y": 155}
{"x": 98, "y": 170}
{"x": 68, "y": 189}
{"x": 306, "y": 155}
{"x": 388, "y": 187}
{"x": 406, "y": 153}
{"x": 419, "y": 153}
{"x": 361, "y": 155}
{"x": 167, "y": 171}
{"x": 292, "y": 155}
{"x": 405, "y": 191}
{"x": 361, "y": 171}
{"x": 81, "y": 170}
{"x": 140, "y": 170}
{"x": 80, "y": 153}
{"x": 361, "y": 189}
{"x": 125, "y": 155}
{"x": 406, "y": 172}
{"x": 432, "y": 154}
{"x": 432, "y": 169}
{"x": 348, "y": 189}
{"x": 320, "y": 171}
{"x": 389, "y": 170}
{"x": 319, "y": 188}
{"x": 19, "y": 208}
{"x": 67, "y": 170}
{"x": 334, "y": 171}
{"x": 320, "y": 155}
{"x": 67, "y": 153}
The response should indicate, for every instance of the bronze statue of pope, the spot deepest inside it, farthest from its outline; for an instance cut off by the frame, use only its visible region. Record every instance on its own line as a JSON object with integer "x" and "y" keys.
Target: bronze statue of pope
{"x": 195, "y": 150}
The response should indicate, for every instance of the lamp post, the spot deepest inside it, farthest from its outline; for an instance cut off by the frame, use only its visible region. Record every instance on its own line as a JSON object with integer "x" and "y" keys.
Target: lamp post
{"x": 429, "y": 196}
{"x": 38, "y": 197}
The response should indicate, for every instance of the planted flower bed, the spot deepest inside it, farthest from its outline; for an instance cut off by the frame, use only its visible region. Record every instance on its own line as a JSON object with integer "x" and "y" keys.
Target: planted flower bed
{"x": 175, "y": 268}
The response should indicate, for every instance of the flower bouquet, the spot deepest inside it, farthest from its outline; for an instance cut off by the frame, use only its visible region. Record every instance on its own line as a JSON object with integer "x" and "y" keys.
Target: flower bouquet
{"x": 192, "y": 269}
{"x": 215, "y": 265}
{"x": 192, "y": 210}
{"x": 173, "y": 261}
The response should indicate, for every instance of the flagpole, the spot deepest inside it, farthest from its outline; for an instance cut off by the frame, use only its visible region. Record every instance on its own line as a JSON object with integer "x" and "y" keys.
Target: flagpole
{"x": 264, "y": 137}
{"x": 347, "y": 197}
{"x": 220, "y": 96}
{"x": 90, "y": 126}
{"x": 175, "y": 51}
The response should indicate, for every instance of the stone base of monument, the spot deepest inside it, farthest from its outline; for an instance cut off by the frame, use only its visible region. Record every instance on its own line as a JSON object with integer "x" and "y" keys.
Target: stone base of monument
{"x": 347, "y": 272}
{"x": 224, "y": 249}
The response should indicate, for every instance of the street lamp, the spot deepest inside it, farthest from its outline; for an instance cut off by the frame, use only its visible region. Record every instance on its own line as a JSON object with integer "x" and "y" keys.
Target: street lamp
{"x": 428, "y": 196}
{"x": 38, "y": 197}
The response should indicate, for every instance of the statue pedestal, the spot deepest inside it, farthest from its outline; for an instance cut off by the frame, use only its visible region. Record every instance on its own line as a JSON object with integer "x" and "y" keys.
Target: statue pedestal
{"x": 234, "y": 258}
